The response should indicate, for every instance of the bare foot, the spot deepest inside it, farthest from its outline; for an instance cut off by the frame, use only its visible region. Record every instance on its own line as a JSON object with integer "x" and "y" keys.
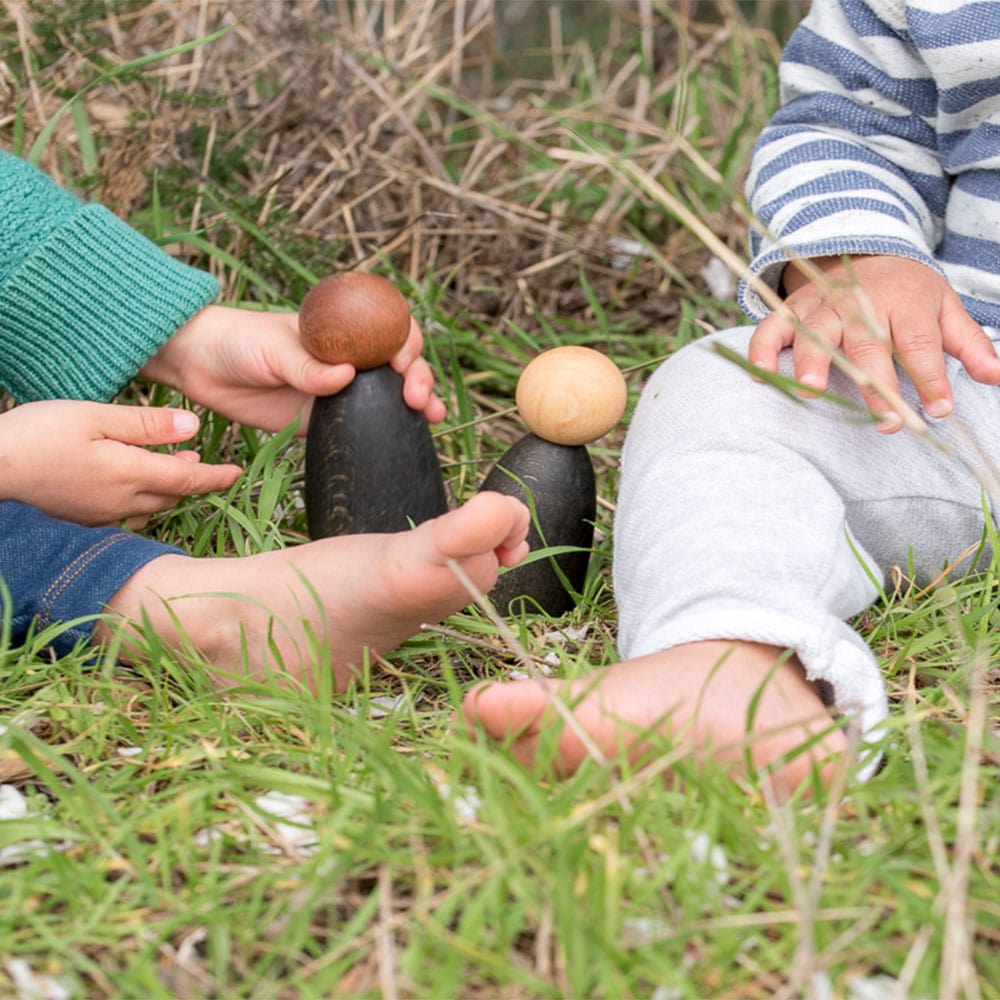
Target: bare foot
{"x": 709, "y": 695}
{"x": 258, "y": 615}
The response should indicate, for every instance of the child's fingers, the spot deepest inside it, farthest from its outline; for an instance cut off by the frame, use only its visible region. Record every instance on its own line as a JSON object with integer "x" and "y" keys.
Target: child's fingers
{"x": 821, "y": 333}
{"x": 811, "y": 328}
{"x": 964, "y": 339}
{"x": 411, "y": 350}
{"x": 178, "y": 476}
{"x": 418, "y": 391}
{"x": 919, "y": 347}
{"x": 312, "y": 377}
{"x": 772, "y": 335}
{"x": 872, "y": 355}
{"x": 146, "y": 425}
{"x": 418, "y": 376}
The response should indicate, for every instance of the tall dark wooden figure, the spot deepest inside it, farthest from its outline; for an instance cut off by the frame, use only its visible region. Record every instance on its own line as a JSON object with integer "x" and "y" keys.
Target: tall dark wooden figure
{"x": 568, "y": 397}
{"x": 371, "y": 464}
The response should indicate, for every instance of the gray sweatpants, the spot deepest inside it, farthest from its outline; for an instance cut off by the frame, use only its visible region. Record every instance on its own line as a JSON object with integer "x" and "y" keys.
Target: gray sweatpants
{"x": 744, "y": 514}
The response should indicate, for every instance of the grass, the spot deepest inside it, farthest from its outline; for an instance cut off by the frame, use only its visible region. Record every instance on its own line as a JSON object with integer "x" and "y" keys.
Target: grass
{"x": 175, "y": 844}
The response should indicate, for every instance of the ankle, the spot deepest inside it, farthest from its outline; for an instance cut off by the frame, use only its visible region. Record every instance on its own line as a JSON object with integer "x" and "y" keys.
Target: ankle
{"x": 144, "y": 594}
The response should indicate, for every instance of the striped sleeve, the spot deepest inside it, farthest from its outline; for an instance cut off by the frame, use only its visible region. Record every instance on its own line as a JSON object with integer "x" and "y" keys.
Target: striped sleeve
{"x": 849, "y": 164}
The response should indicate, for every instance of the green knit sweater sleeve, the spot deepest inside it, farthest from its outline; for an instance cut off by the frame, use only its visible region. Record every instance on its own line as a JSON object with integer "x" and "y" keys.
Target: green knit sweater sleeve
{"x": 85, "y": 300}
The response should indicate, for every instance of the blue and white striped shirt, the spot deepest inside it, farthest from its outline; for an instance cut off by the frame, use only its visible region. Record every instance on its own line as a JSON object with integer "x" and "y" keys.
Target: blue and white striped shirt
{"x": 888, "y": 142}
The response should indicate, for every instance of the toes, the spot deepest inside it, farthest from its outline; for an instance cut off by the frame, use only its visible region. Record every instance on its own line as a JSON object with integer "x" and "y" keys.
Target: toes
{"x": 515, "y": 714}
{"x": 486, "y": 522}
{"x": 505, "y": 709}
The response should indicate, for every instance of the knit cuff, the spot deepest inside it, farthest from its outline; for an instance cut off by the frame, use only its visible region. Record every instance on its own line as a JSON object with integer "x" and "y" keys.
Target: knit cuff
{"x": 88, "y": 308}
{"x": 770, "y": 263}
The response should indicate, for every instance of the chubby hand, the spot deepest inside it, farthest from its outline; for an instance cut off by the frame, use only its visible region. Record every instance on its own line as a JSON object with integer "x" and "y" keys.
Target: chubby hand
{"x": 252, "y": 367}
{"x": 89, "y": 463}
{"x": 922, "y": 317}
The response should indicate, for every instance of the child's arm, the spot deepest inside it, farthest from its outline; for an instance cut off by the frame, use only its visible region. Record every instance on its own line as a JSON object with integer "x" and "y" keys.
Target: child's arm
{"x": 850, "y": 163}
{"x": 89, "y": 463}
{"x": 856, "y": 164}
{"x": 85, "y": 299}
{"x": 252, "y": 367}
{"x": 88, "y": 302}
{"x": 920, "y": 315}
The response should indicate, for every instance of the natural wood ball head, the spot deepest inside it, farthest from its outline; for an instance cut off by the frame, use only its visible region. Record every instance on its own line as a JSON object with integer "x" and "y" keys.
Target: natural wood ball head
{"x": 354, "y": 318}
{"x": 571, "y": 395}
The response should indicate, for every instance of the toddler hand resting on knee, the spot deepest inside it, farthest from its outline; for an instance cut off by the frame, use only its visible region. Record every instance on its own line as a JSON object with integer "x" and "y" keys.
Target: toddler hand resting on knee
{"x": 876, "y": 309}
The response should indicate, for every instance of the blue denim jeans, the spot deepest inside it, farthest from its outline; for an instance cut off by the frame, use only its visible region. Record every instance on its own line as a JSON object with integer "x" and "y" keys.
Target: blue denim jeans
{"x": 58, "y": 572}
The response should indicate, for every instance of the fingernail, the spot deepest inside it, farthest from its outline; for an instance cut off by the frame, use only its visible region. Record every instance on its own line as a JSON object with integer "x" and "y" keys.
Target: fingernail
{"x": 185, "y": 422}
{"x": 938, "y": 408}
{"x": 809, "y": 385}
{"x": 888, "y": 421}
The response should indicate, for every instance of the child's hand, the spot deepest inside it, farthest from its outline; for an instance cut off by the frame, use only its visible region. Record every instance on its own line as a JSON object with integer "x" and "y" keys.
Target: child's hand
{"x": 922, "y": 315}
{"x": 251, "y": 367}
{"x": 85, "y": 462}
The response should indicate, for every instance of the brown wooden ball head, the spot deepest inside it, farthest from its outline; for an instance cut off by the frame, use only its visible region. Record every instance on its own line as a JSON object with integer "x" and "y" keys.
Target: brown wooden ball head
{"x": 571, "y": 395}
{"x": 354, "y": 318}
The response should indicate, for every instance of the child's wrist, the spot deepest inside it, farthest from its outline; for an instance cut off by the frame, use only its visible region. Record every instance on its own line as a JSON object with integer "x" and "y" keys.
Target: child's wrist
{"x": 167, "y": 366}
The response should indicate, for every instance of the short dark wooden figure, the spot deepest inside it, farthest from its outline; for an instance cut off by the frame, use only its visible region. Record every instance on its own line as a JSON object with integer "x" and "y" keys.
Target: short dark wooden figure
{"x": 557, "y": 482}
{"x": 568, "y": 396}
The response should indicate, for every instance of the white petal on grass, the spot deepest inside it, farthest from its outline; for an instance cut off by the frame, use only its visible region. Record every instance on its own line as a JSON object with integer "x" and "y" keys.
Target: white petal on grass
{"x": 187, "y": 950}
{"x": 384, "y": 704}
{"x": 559, "y": 637}
{"x": 32, "y": 985}
{"x": 27, "y": 718}
{"x": 544, "y": 668}
{"x": 705, "y": 852}
{"x": 872, "y": 988}
{"x": 15, "y": 854}
{"x": 564, "y": 636}
{"x": 13, "y": 805}
{"x": 667, "y": 993}
{"x": 206, "y": 836}
{"x": 466, "y": 802}
{"x": 293, "y": 814}
{"x": 720, "y": 280}
{"x": 291, "y": 817}
{"x": 820, "y": 986}
{"x": 640, "y": 931}
{"x": 625, "y": 252}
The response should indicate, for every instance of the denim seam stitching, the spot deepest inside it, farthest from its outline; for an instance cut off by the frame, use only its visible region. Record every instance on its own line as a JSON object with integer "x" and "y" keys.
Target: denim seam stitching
{"x": 70, "y": 573}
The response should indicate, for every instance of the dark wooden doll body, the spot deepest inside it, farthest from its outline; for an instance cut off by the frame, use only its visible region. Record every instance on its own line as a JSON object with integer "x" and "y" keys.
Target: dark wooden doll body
{"x": 557, "y": 482}
{"x": 371, "y": 465}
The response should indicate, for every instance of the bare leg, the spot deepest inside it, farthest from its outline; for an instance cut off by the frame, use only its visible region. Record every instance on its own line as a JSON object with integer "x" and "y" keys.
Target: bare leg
{"x": 716, "y": 696}
{"x": 353, "y": 592}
